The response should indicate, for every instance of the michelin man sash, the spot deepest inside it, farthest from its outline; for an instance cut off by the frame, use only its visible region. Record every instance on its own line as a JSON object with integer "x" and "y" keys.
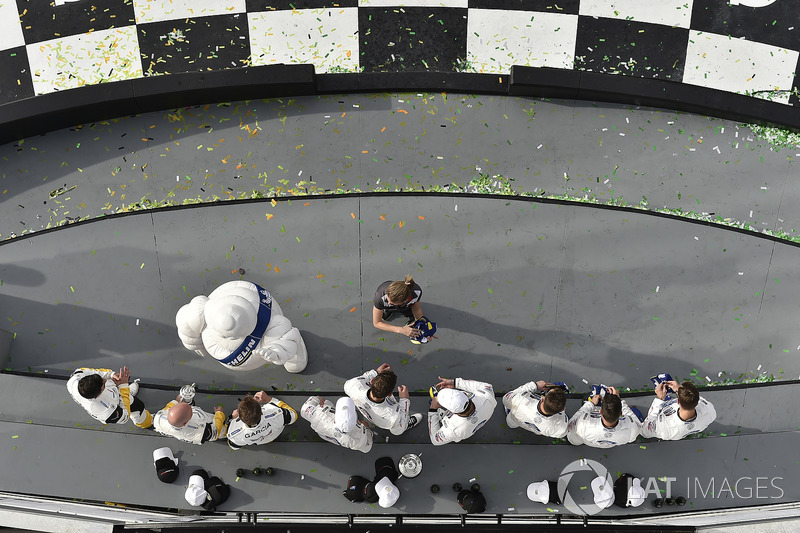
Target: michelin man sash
{"x": 242, "y": 353}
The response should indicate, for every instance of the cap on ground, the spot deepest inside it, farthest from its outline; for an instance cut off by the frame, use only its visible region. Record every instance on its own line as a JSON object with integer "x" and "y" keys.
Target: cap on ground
{"x": 388, "y": 493}
{"x": 196, "y": 493}
{"x": 603, "y": 491}
{"x": 166, "y": 465}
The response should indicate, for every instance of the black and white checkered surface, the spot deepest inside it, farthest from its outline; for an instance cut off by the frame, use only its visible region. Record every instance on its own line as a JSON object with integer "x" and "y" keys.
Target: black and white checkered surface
{"x": 744, "y": 46}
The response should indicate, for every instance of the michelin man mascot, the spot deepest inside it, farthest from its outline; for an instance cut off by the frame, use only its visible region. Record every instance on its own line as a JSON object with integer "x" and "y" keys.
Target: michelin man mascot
{"x": 241, "y": 326}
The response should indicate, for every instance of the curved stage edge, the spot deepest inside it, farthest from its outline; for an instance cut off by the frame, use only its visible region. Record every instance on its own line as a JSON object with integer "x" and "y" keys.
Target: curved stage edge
{"x": 41, "y": 114}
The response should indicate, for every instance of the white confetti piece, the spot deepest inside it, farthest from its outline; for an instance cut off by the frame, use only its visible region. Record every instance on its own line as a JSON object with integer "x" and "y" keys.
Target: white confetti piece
{"x": 510, "y": 508}
{"x": 538, "y": 147}
{"x": 695, "y": 238}
{"x": 658, "y": 287}
{"x": 759, "y": 367}
{"x": 605, "y": 181}
{"x": 456, "y": 207}
{"x": 708, "y": 379}
{"x": 137, "y": 321}
{"x": 751, "y": 213}
{"x": 763, "y": 188}
{"x": 741, "y": 273}
{"x": 472, "y": 480}
{"x": 585, "y": 381}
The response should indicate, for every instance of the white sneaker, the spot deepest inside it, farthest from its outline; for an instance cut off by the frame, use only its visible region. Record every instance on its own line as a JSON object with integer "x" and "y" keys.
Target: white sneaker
{"x": 134, "y": 387}
{"x": 414, "y": 420}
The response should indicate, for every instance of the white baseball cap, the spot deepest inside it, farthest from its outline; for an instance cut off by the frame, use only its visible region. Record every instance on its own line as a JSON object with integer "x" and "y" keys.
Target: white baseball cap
{"x": 603, "y": 491}
{"x": 539, "y": 492}
{"x": 345, "y": 416}
{"x": 636, "y": 494}
{"x": 388, "y": 494}
{"x": 453, "y": 400}
{"x": 196, "y": 493}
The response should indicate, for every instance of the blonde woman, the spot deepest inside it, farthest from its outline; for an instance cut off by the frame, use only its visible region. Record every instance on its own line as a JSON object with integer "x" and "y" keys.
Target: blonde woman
{"x": 394, "y": 297}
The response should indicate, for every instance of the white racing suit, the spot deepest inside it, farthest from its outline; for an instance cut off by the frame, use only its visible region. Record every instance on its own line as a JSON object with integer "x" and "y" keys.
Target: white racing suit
{"x": 321, "y": 417}
{"x": 115, "y": 405}
{"x": 586, "y": 427}
{"x": 391, "y": 414}
{"x": 664, "y": 423}
{"x": 444, "y": 426}
{"x": 202, "y": 427}
{"x": 273, "y": 420}
{"x": 522, "y": 410}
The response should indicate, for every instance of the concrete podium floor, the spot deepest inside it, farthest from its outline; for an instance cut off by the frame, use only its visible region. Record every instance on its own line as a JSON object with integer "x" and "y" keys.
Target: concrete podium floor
{"x": 520, "y": 290}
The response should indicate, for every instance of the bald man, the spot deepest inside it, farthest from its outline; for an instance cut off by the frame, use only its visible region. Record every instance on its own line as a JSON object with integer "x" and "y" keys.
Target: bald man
{"x": 189, "y": 423}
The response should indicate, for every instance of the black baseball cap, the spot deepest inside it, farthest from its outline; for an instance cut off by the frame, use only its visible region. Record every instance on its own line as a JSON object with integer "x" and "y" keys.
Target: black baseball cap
{"x": 384, "y": 467}
{"x": 472, "y": 501}
{"x": 356, "y": 489}
{"x": 166, "y": 465}
{"x": 217, "y": 491}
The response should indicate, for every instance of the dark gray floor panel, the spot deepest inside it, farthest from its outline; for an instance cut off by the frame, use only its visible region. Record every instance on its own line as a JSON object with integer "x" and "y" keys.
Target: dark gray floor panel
{"x": 642, "y": 295}
{"x": 306, "y": 255}
{"x": 88, "y": 298}
{"x": 775, "y": 352}
{"x": 489, "y": 280}
{"x": 672, "y": 160}
{"x": 527, "y": 290}
{"x": 304, "y": 470}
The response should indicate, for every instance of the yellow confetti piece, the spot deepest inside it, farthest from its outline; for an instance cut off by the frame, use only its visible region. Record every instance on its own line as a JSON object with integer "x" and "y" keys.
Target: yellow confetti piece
{"x": 14, "y": 436}
{"x": 142, "y": 266}
{"x": 72, "y": 288}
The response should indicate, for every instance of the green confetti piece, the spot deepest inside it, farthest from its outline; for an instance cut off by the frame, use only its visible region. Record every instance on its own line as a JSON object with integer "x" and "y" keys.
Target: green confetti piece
{"x": 510, "y": 471}
{"x": 72, "y": 288}
{"x": 655, "y": 318}
{"x": 490, "y": 291}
